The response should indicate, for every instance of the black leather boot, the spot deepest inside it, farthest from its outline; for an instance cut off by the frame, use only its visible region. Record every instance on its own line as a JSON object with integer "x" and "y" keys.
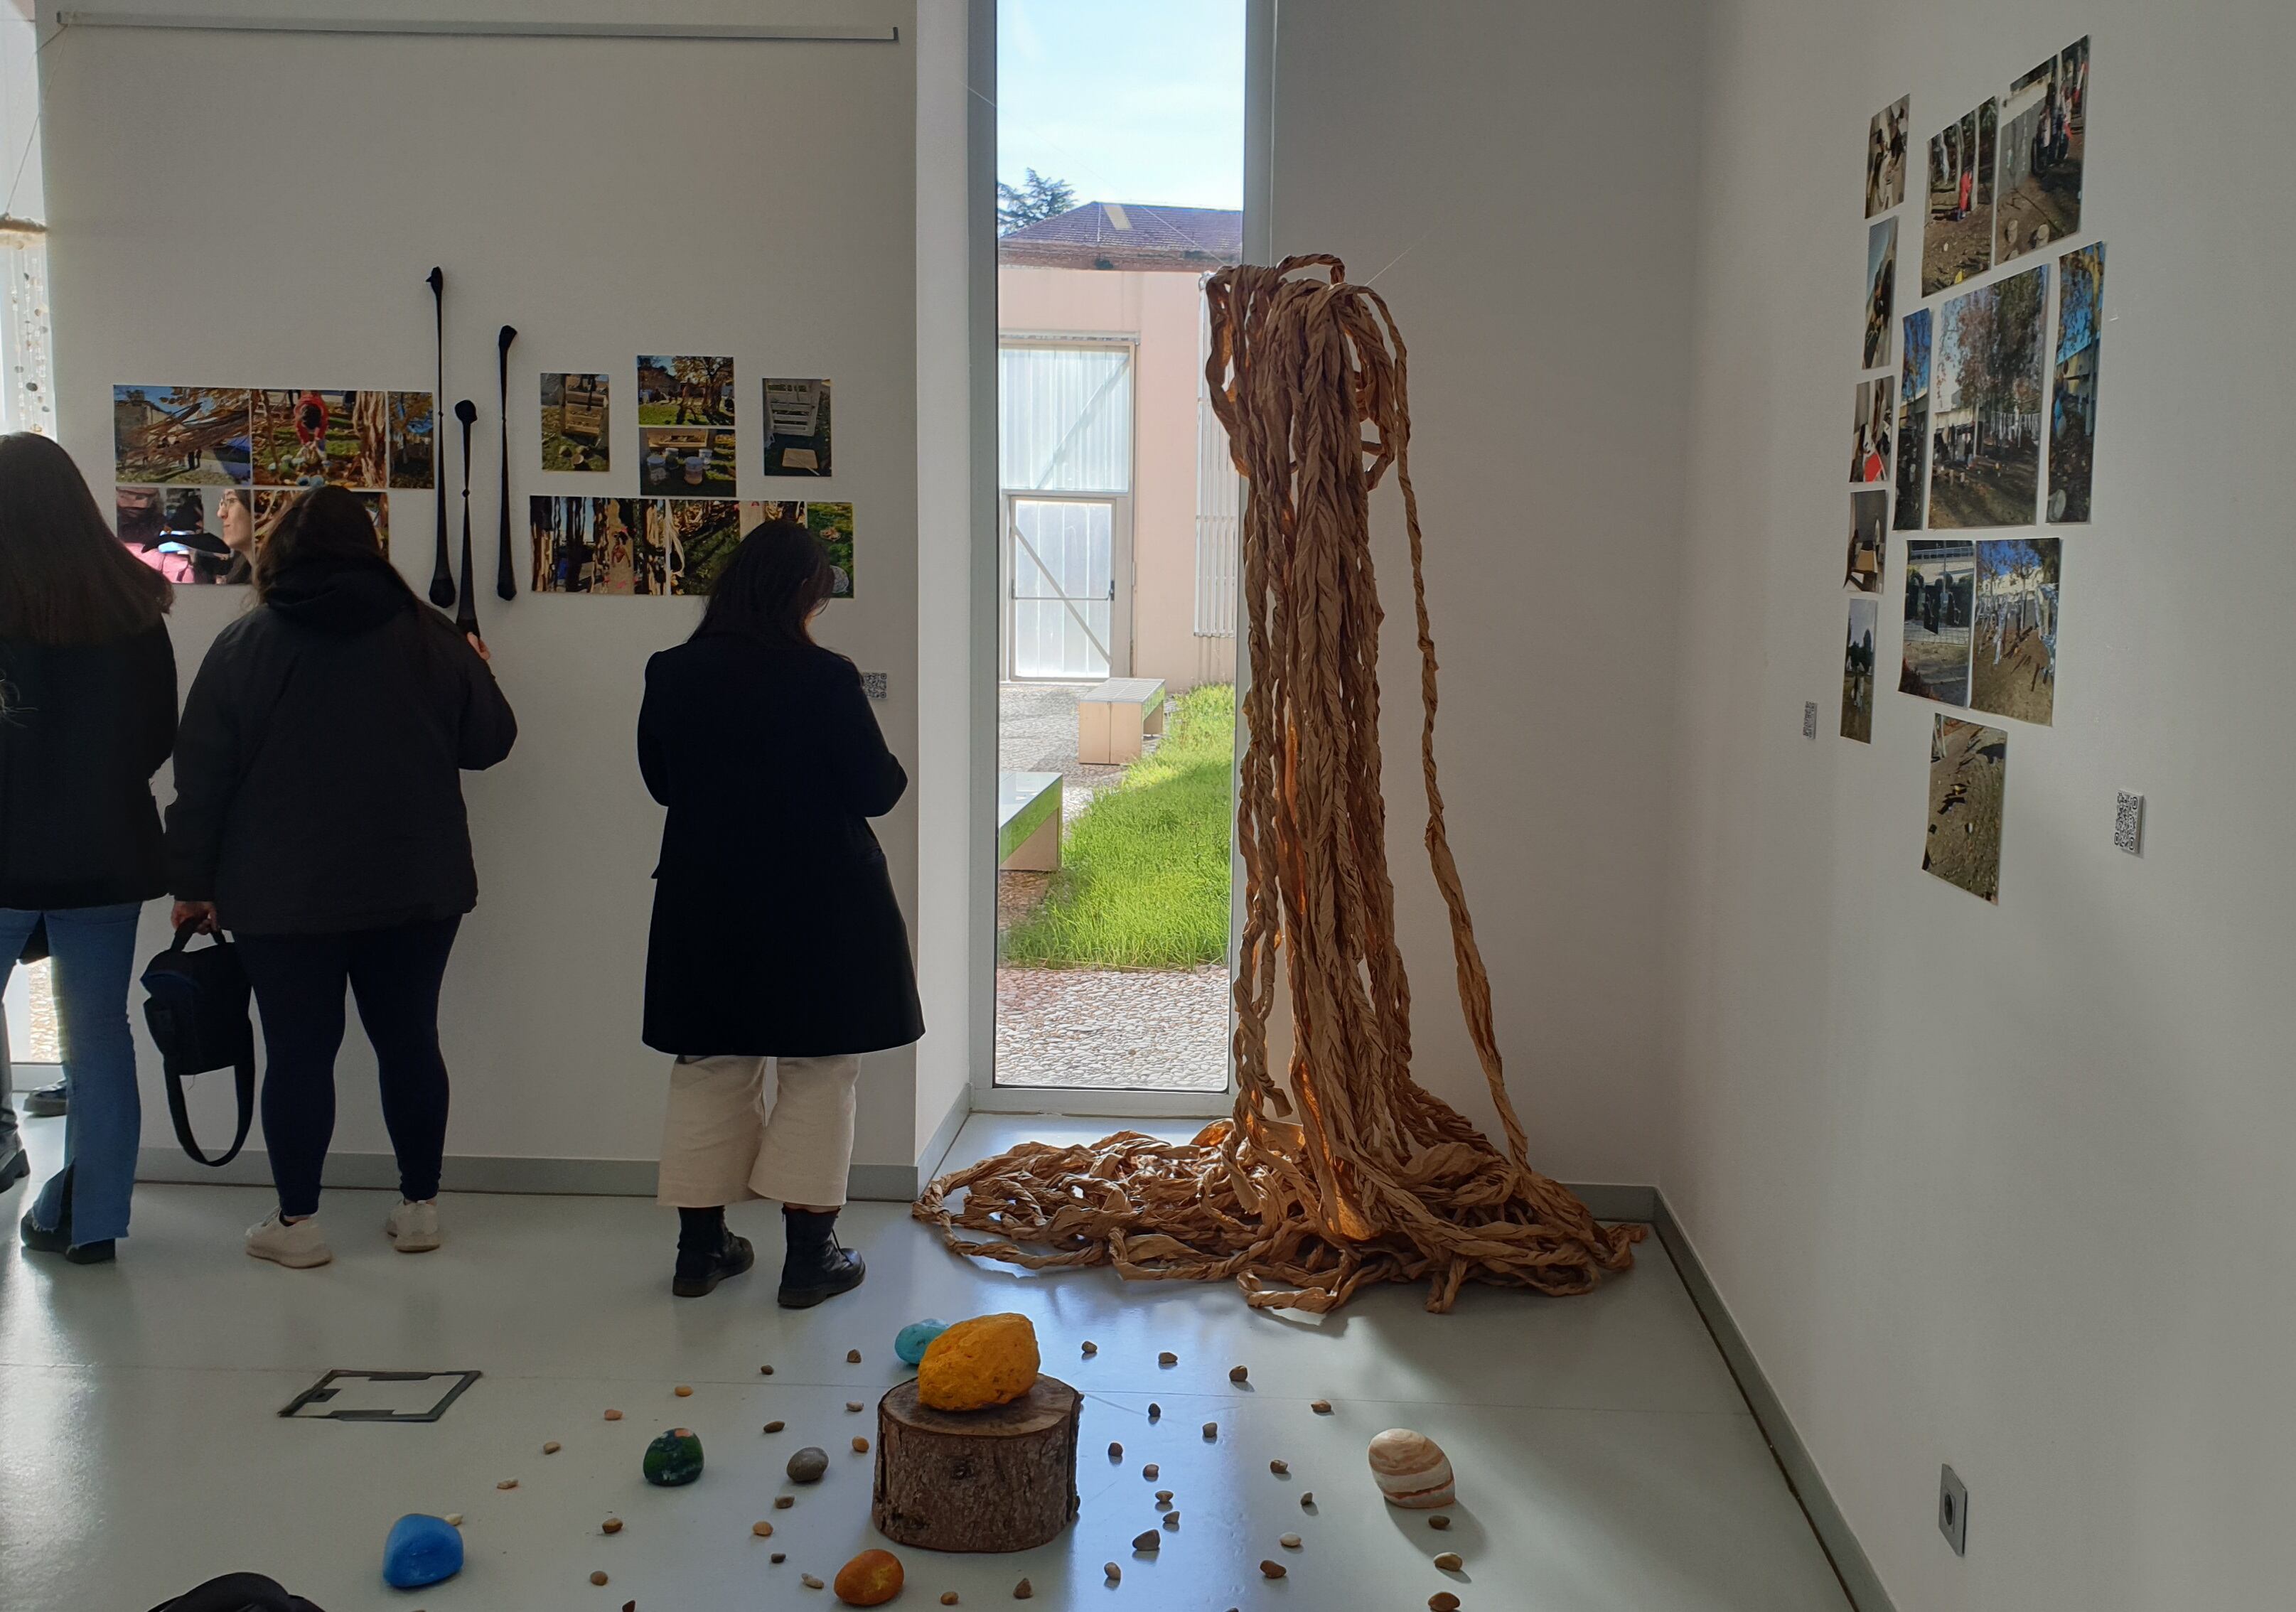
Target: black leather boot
{"x": 816, "y": 1266}
{"x": 708, "y": 1253}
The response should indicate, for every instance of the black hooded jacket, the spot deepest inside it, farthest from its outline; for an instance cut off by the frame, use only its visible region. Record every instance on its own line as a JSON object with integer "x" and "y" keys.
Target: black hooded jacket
{"x": 318, "y": 765}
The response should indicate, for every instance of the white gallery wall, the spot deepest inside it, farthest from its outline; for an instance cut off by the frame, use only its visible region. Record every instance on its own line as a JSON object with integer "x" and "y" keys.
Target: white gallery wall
{"x": 2002, "y": 1187}
{"x": 254, "y": 210}
{"x": 1518, "y": 180}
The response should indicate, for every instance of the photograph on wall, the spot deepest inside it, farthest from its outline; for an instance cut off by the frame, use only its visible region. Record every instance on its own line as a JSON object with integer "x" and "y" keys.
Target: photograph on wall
{"x": 685, "y": 391}
{"x": 180, "y": 434}
{"x": 1913, "y": 422}
{"x": 1870, "y": 428}
{"x": 797, "y": 427}
{"x": 2013, "y": 658}
{"x": 2043, "y": 126}
{"x": 1985, "y": 429}
{"x": 1869, "y": 525}
{"x": 171, "y": 529}
{"x": 413, "y": 462}
{"x": 756, "y": 513}
{"x": 1957, "y": 235}
{"x": 575, "y": 427}
{"x": 596, "y": 545}
{"x": 1967, "y": 764}
{"x": 378, "y": 510}
{"x": 686, "y": 461}
{"x": 832, "y": 523}
{"x": 311, "y": 438}
{"x": 1885, "y": 158}
{"x": 1935, "y": 665}
{"x": 2072, "y": 414}
{"x": 1858, "y": 670}
{"x": 700, "y": 536}
{"x": 1880, "y": 290}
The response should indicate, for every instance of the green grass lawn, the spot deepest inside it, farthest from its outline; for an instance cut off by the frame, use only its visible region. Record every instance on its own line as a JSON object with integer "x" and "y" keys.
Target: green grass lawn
{"x": 1143, "y": 878}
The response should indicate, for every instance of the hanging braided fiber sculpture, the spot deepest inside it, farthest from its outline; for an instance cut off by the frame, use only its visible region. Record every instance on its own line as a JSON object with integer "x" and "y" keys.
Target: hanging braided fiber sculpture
{"x": 1374, "y": 1179}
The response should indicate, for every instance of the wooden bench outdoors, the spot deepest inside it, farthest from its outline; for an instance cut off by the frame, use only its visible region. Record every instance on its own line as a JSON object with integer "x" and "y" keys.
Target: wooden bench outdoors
{"x": 1029, "y": 821}
{"x": 1112, "y": 718}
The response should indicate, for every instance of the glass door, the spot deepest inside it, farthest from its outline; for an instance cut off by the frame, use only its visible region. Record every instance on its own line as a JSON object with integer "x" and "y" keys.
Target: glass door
{"x": 1066, "y": 621}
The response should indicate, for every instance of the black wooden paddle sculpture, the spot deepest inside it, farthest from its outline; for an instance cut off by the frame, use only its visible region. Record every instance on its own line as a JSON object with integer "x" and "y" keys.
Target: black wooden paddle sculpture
{"x": 505, "y": 578}
{"x": 466, "y": 610}
{"x": 442, "y": 575}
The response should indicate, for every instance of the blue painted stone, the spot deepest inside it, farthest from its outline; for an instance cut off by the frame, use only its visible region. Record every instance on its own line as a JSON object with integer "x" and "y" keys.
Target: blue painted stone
{"x": 916, "y": 1338}
{"x": 421, "y": 1551}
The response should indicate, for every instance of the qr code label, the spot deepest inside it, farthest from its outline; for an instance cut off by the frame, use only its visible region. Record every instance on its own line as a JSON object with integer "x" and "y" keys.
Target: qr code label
{"x": 1810, "y": 719}
{"x": 874, "y": 682}
{"x": 2129, "y": 823}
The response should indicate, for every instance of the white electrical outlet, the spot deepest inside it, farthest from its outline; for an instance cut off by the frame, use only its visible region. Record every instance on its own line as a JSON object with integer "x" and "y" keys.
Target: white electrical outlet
{"x": 1810, "y": 719}
{"x": 1953, "y": 1510}
{"x": 2129, "y": 823}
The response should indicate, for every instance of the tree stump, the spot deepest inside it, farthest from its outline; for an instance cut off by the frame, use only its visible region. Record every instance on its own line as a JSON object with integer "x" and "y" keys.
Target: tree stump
{"x": 999, "y": 1480}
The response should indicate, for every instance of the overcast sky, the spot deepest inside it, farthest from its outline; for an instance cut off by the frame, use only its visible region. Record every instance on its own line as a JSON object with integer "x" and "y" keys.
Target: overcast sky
{"x": 1126, "y": 100}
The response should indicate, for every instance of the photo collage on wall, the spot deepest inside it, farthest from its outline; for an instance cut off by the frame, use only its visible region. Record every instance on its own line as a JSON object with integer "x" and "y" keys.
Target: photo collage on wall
{"x": 1977, "y": 433}
{"x": 202, "y": 473}
{"x": 675, "y": 537}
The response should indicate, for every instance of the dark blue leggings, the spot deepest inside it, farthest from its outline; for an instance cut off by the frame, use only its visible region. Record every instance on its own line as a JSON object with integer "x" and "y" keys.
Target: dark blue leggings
{"x": 299, "y": 983}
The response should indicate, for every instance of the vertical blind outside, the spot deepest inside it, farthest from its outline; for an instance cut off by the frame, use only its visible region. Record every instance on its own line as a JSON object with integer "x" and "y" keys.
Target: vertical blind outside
{"x": 1219, "y": 501}
{"x": 1065, "y": 419}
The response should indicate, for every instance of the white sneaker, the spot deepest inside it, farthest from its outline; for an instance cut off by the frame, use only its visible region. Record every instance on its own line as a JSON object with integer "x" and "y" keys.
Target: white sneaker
{"x": 414, "y": 1227}
{"x": 298, "y": 1246}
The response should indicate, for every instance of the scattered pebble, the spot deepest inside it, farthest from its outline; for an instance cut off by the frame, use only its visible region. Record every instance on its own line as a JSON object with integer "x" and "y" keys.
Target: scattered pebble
{"x": 1114, "y": 1572}
{"x": 1307, "y": 1500}
{"x": 612, "y": 1525}
{"x": 763, "y": 1530}
{"x": 1163, "y": 1497}
{"x": 1290, "y": 1541}
{"x": 1115, "y": 1451}
{"x": 1273, "y": 1570}
{"x": 684, "y": 1391}
{"x": 1321, "y": 1407}
{"x": 597, "y": 1578}
{"x": 775, "y": 1427}
{"x": 782, "y": 1502}
{"x": 550, "y": 1447}
{"x": 852, "y": 1404}
{"x": 948, "y": 1598}
{"x": 1167, "y": 1359}
{"x": 765, "y": 1370}
{"x": 1450, "y": 1561}
{"x": 1172, "y": 1519}
{"x": 860, "y": 1446}
{"x": 808, "y": 1465}
{"x": 1211, "y": 1429}
{"x": 1239, "y": 1374}
{"x": 1442, "y": 1600}
{"x": 808, "y": 1581}
{"x": 852, "y": 1357}
{"x": 1439, "y": 1520}
{"x": 1023, "y": 1589}
{"x": 1279, "y": 1467}
{"x": 453, "y": 1519}
{"x": 778, "y": 1558}
{"x": 1091, "y": 1347}
{"x": 1149, "y": 1471}
{"x": 613, "y": 1416}
{"x": 507, "y": 1482}
{"x": 1155, "y": 1410}
{"x": 1148, "y": 1540}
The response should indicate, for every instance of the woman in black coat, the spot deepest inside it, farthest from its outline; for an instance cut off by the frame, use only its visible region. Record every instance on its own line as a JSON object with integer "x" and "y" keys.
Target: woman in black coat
{"x": 778, "y": 954}
{"x": 87, "y": 713}
{"x": 318, "y": 816}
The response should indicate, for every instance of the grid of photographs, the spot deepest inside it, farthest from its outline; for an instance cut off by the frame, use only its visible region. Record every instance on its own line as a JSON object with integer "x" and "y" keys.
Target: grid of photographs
{"x": 686, "y": 443}
{"x": 666, "y": 546}
{"x": 202, "y": 473}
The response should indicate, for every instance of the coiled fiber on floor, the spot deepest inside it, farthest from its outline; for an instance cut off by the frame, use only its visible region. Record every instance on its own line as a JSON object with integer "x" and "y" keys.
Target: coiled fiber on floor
{"x": 1367, "y": 1177}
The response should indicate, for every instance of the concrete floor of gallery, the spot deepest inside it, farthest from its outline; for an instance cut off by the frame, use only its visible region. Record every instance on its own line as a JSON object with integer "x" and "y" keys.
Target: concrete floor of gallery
{"x": 1606, "y": 1459}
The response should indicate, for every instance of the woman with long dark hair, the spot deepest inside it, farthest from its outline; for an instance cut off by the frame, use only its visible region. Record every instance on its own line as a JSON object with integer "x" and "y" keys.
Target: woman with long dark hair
{"x": 318, "y": 816}
{"x": 87, "y": 713}
{"x": 778, "y": 954}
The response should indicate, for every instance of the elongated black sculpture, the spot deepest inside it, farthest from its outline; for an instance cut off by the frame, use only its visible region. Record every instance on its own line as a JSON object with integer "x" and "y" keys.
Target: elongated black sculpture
{"x": 505, "y": 577}
{"x": 442, "y": 576}
{"x": 466, "y": 612}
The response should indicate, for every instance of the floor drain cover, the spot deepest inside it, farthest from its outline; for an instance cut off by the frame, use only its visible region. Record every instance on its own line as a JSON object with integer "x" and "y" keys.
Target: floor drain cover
{"x": 380, "y": 1395}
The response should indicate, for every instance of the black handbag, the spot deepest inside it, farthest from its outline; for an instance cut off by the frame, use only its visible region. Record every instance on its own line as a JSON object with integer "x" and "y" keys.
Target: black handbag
{"x": 195, "y": 1003}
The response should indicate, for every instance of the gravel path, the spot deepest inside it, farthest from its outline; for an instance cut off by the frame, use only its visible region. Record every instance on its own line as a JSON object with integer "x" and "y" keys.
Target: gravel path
{"x": 1159, "y": 1031}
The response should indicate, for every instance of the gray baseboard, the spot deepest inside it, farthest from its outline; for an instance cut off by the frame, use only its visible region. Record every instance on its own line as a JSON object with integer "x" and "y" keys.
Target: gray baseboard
{"x": 1616, "y": 1200}
{"x": 1858, "y": 1580}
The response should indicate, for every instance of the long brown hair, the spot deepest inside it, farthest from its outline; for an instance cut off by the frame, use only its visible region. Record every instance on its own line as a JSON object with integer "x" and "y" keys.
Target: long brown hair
{"x": 326, "y": 526}
{"x": 64, "y": 579}
{"x": 770, "y": 589}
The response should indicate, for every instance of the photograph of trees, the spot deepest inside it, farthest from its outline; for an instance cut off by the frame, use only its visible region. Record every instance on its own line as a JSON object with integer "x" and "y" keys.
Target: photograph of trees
{"x": 1913, "y": 421}
{"x": 186, "y": 434}
{"x": 1858, "y": 671}
{"x": 686, "y": 391}
{"x": 1985, "y": 434}
{"x": 1936, "y": 657}
{"x": 1958, "y": 241}
{"x": 2042, "y": 135}
{"x": 412, "y": 434}
{"x": 2073, "y": 417}
{"x": 2014, "y": 670}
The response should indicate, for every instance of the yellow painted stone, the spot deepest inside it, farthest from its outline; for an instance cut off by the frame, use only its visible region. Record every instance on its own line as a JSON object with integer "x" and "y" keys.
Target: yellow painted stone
{"x": 990, "y": 1360}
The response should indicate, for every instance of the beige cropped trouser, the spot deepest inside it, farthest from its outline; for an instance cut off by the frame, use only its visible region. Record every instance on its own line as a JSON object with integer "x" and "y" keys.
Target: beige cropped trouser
{"x": 739, "y": 1128}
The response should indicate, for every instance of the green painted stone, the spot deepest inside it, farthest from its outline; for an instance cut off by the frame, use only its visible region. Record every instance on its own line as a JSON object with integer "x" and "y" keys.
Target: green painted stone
{"x": 673, "y": 1458}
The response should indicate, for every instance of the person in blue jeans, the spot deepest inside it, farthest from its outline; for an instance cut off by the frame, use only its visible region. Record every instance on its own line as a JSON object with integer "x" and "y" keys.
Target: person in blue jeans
{"x": 87, "y": 715}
